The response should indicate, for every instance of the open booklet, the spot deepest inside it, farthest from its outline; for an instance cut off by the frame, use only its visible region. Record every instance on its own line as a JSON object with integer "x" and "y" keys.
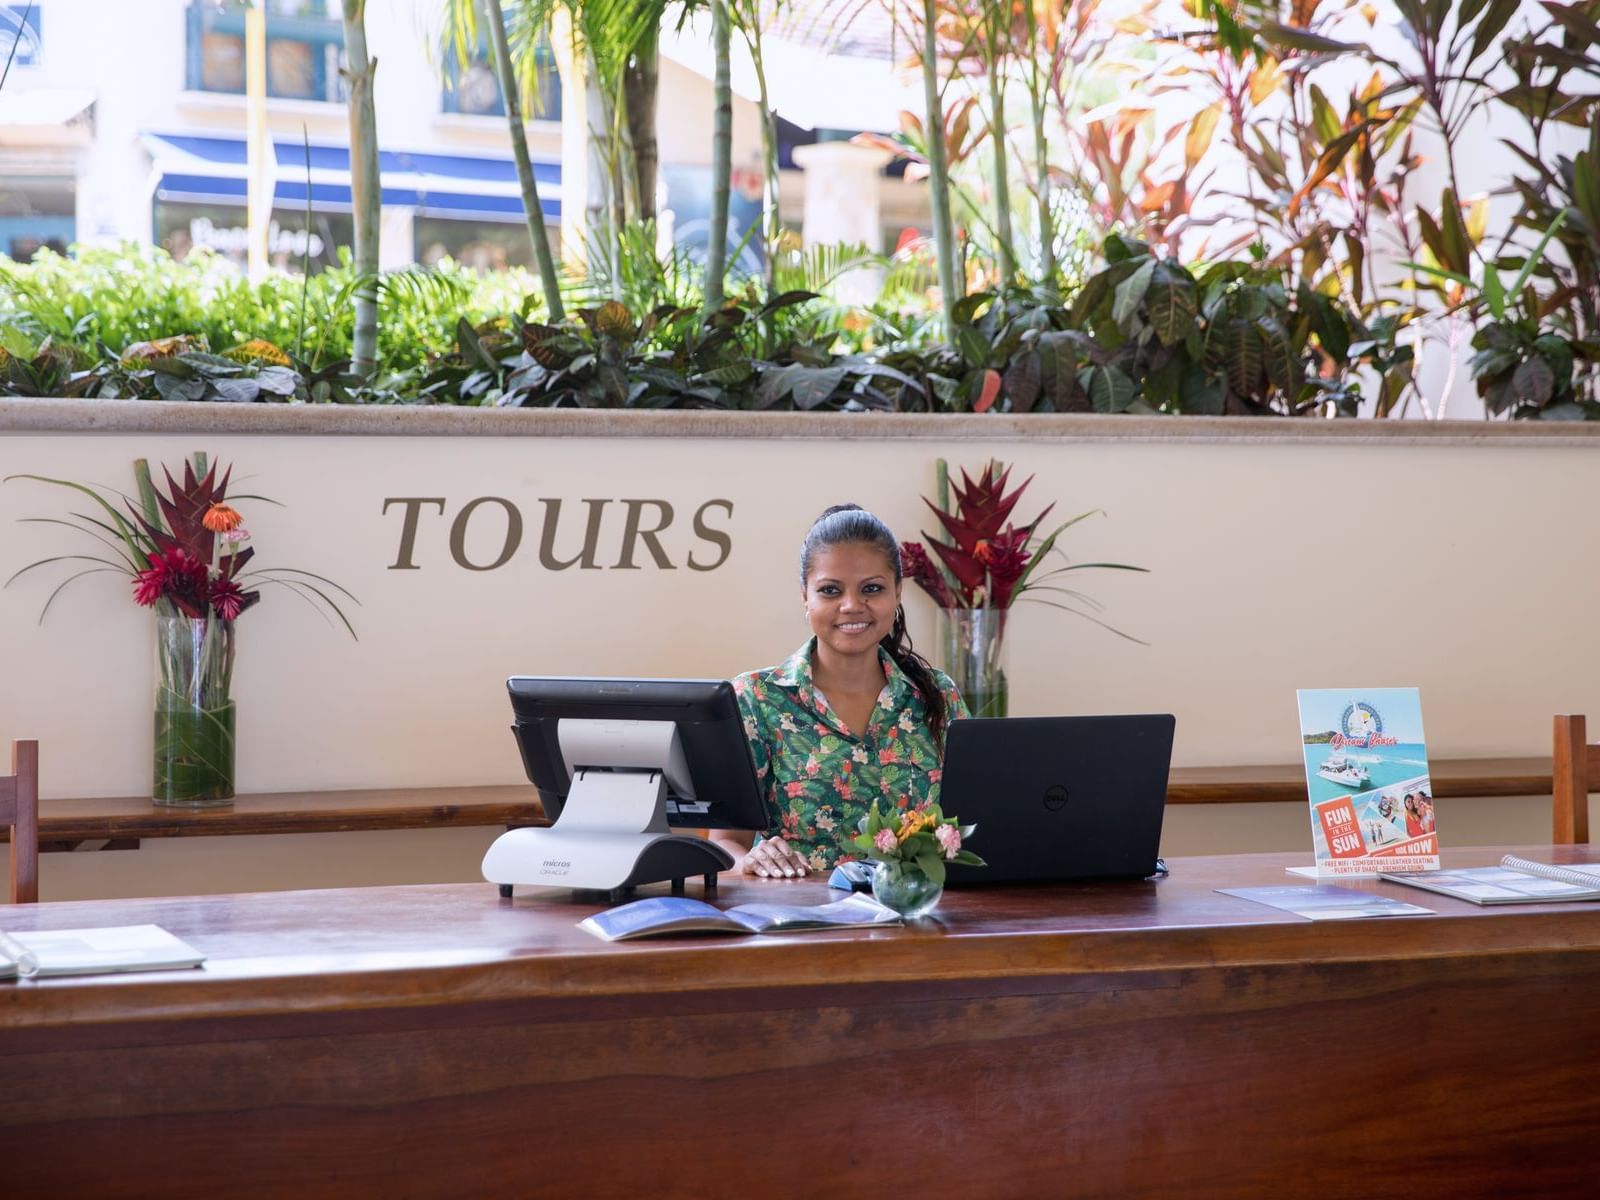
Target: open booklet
{"x": 1514, "y": 881}
{"x": 678, "y": 914}
{"x": 94, "y": 951}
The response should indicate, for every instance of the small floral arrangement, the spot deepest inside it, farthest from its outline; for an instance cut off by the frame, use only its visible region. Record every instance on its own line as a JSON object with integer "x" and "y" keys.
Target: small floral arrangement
{"x": 184, "y": 551}
{"x": 921, "y": 837}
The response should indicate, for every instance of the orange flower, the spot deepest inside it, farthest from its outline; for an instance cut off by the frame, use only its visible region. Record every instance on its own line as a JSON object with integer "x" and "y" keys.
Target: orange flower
{"x": 219, "y": 518}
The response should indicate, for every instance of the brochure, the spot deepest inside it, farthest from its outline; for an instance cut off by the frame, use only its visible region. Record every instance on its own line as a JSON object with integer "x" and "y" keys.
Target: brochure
{"x": 94, "y": 951}
{"x": 1514, "y": 881}
{"x": 1367, "y": 777}
{"x": 1327, "y": 902}
{"x": 678, "y": 914}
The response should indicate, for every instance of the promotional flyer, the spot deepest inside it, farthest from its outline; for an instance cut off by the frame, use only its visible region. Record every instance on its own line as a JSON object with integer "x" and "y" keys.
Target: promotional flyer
{"x": 1367, "y": 776}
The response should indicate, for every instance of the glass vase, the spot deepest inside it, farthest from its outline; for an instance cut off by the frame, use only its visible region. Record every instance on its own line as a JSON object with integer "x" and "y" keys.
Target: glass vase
{"x": 194, "y": 711}
{"x": 903, "y": 887}
{"x": 974, "y": 657}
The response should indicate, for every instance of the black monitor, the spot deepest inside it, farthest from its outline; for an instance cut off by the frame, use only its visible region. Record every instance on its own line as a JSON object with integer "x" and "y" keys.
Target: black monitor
{"x": 712, "y": 786}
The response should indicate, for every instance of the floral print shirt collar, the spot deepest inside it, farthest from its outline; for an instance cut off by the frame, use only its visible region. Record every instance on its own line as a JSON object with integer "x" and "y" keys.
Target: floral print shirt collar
{"x": 794, "y": 674}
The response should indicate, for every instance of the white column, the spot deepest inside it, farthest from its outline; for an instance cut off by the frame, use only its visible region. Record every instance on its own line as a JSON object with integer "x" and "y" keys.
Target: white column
{"x": 397, "y": 242}
{"x": 842, "y": 205}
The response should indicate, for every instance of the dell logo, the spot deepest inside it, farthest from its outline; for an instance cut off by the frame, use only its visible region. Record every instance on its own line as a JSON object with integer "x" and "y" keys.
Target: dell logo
{"x": 1055, "y": 798}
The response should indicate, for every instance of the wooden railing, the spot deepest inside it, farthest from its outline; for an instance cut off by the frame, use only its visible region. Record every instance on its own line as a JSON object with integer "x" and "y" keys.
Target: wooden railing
{"x": 121, "y": 821}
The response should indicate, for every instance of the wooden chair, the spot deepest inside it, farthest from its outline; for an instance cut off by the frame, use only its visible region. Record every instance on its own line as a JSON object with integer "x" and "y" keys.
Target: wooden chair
{"x": 19, "y": 809}
{"x": 1575, "y": 767}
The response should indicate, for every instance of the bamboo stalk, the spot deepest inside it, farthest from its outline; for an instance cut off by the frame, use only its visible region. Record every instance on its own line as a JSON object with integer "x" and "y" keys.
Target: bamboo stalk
{"x": 938, "y": 170}
{"x": 721, "y": 158}
{"x": 532, "y": 209}
{"x": 365, "y": 196}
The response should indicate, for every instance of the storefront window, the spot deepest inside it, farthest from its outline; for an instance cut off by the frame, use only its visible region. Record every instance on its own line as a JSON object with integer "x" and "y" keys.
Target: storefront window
{"x": 475, "y": 89}
{"x": 480, "y": 245}
{"x": 304, "y": 45}
{"x": 36, "y": 214}
{"x": 182, "y": 228}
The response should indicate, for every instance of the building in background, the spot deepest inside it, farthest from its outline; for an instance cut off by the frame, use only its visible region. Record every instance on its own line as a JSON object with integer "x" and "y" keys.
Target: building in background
{"x": 126, "y": 122}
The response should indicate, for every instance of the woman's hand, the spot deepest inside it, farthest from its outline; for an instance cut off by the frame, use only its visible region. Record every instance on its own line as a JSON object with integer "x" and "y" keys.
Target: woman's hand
{"x": 772, "y": 859}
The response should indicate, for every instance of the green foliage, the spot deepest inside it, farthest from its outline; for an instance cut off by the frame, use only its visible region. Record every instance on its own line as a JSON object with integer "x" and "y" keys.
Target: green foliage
{"x": 115, "y": 298}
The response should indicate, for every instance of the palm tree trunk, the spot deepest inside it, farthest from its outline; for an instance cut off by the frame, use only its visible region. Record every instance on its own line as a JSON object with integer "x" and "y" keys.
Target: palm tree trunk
{"x": 997, "y": 136}
{"x": 721, "y": 158}
{"x": 365, "y": 196}
{"x": 944, "y": 238}
{"x": 532, "y": 209}
{"x": 771, "y": 220}
{"x": 641, "y": 85}
{"x": 1041, "y": 153}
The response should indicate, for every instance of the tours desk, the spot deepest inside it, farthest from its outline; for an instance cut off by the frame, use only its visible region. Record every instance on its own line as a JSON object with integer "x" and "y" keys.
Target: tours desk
{"x": 1145, "y": 1039}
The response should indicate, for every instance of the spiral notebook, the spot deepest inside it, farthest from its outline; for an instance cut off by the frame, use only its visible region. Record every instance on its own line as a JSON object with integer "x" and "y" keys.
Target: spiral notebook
{"x": 1514, "y": 881}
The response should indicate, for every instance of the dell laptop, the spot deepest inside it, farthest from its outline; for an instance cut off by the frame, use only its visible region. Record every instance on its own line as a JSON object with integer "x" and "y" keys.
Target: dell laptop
{"x": 1058, "y": 798}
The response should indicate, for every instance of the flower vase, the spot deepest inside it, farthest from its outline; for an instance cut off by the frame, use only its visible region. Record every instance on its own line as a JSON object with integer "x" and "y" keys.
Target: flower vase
{"x": 904, "y": 887}
{"x": 974, "y": 657}
{"x": 194, "y": 711}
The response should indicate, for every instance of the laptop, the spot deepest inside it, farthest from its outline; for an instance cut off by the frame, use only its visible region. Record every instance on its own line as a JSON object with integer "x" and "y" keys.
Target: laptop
{"x": 1058, "y": 798}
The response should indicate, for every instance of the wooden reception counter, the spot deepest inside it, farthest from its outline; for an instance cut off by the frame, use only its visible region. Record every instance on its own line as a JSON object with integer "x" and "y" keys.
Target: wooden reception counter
{"x": 1147, "y": 1039}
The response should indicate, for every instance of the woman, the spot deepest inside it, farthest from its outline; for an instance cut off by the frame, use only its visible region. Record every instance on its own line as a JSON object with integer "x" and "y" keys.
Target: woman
{"x": 855, "y": 715}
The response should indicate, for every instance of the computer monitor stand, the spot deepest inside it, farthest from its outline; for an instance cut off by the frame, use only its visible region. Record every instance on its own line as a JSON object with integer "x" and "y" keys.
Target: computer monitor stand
{"x": 612, "y": 835}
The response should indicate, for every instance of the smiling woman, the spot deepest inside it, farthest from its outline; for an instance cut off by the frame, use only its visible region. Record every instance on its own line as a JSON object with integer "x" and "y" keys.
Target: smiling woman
{"x": 855, "y": 715}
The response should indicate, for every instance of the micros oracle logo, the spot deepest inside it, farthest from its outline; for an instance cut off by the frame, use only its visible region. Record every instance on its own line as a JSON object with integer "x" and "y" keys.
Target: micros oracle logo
{"x": 1361, "y": 725}
{"x": 1055, "y": 798}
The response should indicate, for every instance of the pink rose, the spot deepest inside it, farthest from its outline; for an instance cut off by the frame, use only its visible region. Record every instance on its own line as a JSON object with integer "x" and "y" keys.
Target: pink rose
{"x": 949, "y": 839}
{"x": 884, "y": 841}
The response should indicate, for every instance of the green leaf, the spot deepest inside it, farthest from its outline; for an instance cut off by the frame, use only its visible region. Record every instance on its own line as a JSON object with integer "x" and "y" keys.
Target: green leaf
{"x": 1533, "y": 382}
{"x": 1110, "y": 391}
{"x": 1493, "y": 292}
{"x": 1130, "y": 295}
{"x": 1245, "y": 356}
{"x": 1537, "y": 253}
{"x": 932, "y": 866}
{"x": 1172, "y": 304}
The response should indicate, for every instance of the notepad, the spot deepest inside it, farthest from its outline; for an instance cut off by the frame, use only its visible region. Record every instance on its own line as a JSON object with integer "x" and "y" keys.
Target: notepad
{"x": 94, "y": 951}
{"x": 1514, "y": 881}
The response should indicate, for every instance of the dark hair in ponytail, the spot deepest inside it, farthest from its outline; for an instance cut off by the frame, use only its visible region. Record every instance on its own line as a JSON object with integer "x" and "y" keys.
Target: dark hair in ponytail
{"x": 846, "y": 524}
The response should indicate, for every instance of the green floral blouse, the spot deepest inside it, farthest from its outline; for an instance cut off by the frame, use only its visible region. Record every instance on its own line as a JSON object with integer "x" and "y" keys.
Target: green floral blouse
{"x": 819, "y": 777}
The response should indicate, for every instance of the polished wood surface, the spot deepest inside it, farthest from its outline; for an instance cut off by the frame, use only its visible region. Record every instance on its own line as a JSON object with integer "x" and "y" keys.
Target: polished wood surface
{"x": 1119, "y": 1040}
{"x": 87, "y": 819}
{"x": 19, "y": 817}
{"x": 1576, "y": 772}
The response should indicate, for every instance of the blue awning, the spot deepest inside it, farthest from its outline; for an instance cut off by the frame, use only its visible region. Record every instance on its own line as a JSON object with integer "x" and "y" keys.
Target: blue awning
{"x": 212, "y": 170}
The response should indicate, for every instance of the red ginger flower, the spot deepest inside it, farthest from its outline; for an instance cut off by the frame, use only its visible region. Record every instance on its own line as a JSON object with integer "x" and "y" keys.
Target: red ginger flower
{"x": 919, "y": 568}
{"x": 176, "y": 575}
{"x": 228, "y": 599}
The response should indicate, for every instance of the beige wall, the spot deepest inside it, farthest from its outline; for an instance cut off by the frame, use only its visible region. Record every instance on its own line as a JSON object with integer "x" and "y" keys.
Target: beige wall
{"x": 1280, "y": 557}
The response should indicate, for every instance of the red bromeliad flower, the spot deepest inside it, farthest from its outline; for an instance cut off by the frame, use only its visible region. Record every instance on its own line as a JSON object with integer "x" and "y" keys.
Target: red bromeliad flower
{"x": 987, "y": 556}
